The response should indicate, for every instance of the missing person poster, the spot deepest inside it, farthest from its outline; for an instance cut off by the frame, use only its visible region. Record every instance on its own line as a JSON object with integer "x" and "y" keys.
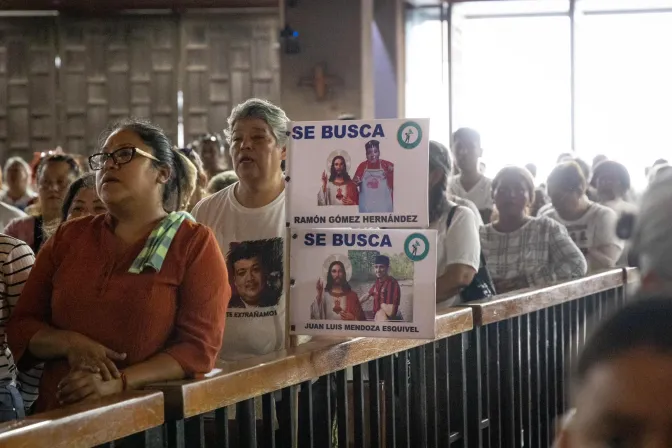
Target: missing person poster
{"x": 373, "y": 283}
{"x": 362, "y": 173}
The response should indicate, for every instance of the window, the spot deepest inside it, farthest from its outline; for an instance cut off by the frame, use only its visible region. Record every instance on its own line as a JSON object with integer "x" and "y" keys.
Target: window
{"x": 624, "y": 94}
{"x": 514, "y": 83}
{"x": 427, "y": 70}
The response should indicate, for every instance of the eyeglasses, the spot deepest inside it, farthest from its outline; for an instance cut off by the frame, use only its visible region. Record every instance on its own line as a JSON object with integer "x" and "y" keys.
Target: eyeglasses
{"x": 120, "y": 157}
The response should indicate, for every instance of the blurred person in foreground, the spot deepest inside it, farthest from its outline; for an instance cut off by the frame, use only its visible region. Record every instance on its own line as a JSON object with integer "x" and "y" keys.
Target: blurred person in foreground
{"x": 651, "y": 242}
{"x": 621, "y": 393}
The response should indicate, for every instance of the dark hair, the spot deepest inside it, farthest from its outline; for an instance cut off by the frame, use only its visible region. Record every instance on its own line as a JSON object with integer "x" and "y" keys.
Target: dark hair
{"x": 516, "y": 171}
{"x": 643, "y": 323}
{"x": 55, "y": 158}
{"x": 245, "y": 251}
{"x": 439, "y": 158}
{"x": 569, "y": 176}
{"x": 330, "y": 280}
{"x": 332, "y": 176}
{"x": 154, "y": 137}
{"x": 221, "y": 181}
{"x": 87, "y": 180}
{"x": 609, "y": 166}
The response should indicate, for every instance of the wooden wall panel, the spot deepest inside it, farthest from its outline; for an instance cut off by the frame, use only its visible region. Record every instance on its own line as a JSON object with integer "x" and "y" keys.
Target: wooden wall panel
{"x": 226, "y": 60}
{"x": 116, "y": 68}
{"x": 124, "y": 66}
{"x": 27, "y": 86}
{"x": 89, "y": 6}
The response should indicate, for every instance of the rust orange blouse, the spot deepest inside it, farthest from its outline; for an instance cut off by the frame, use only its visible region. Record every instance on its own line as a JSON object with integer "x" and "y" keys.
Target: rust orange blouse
{"x": 80, "y": 283}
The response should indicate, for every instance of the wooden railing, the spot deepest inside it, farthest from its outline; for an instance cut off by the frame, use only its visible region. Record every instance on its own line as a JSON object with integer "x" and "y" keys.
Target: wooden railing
{"x": 493, "y": 376}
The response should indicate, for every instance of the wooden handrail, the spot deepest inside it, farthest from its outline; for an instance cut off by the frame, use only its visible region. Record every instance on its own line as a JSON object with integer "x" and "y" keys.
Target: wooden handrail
{"x": 525, "y": 301}
{"x": 86, "y": 424}
{"x": 230, "y": 383}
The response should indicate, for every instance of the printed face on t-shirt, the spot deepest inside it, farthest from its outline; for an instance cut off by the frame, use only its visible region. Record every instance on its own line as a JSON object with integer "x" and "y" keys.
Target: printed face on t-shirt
{"x": 255, "y": 272}
{"x": 380, "y": 270}
{"x": 249, "y": 279}
{"x": 373, "y": 154}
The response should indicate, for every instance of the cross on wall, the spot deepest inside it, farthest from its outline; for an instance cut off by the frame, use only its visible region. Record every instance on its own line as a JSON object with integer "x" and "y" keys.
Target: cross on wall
{"x": 320, "y": 81}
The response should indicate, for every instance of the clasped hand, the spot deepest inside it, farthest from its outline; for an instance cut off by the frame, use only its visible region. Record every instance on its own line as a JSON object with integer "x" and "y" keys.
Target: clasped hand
{"x": 93, "y": 373}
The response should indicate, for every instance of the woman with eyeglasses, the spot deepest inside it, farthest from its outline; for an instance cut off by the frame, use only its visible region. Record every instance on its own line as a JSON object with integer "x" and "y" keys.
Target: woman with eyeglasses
{"x": 55, "y": 173}
{"x": 520, "y": 250}
{"x": 140, "y": 297}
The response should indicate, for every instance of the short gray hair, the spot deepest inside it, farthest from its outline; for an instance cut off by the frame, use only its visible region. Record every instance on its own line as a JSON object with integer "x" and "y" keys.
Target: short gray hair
{"x": 275, "y": 118}
{"x": 12, "y": 160}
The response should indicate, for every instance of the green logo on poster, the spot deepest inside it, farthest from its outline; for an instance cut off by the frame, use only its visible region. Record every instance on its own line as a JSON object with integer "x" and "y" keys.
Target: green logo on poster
{"x": 416, "y": 247}
{"x": 409, "y": 135}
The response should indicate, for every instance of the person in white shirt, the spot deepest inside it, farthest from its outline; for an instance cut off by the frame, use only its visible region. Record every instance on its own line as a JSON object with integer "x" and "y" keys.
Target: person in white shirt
{"x": 478, "y": 221}
{"x": 521, "y": 250}
{"x": 471, "y": 184}
{"x": 17, "y": 176}
{"x": 251, "y": 212}
{"x": 459, "y": 251}
{"x": 611, "y": 180}
{"x": 592, "y": 226}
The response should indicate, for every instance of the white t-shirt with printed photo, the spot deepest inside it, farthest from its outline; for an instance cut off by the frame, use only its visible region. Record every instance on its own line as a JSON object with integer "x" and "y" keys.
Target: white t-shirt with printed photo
{"x": 255, "y": 237}
{"x": 480, "y": 194}
{"x": 597, "y": 227}
{"x": 457, "y": 244}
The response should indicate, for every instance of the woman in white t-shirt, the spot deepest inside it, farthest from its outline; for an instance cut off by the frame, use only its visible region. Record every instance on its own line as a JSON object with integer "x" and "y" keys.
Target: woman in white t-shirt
{"x": 248, "y": 219}
{"x": 459, "y": 251}
{"x": 521, "y": 250}
{"x": 592, "y": 226}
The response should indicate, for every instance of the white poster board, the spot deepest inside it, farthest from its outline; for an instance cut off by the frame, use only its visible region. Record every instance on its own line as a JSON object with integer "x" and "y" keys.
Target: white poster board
{"x": 361, "y": 173}
{"x": 375, "y": 283}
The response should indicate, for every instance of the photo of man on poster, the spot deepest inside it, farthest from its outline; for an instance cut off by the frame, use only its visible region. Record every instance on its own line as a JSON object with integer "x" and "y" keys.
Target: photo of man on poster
{"x": 336, "y": 300}
{"x": 385, "y": 291}
{"x": 375, "y": 179}
{"x": 337, "y": 187}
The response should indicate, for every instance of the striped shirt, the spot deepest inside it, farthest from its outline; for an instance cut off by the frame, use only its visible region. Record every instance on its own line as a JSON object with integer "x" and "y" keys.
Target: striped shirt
{"x": 385, "y": 290}
{"x": 16, "y": 261}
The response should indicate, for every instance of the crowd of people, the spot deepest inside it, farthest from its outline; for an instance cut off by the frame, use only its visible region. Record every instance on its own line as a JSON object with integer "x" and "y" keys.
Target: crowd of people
{"x": 171, "y": 235}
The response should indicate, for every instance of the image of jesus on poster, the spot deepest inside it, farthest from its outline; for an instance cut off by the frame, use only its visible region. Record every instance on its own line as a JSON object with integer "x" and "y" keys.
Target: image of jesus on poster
{"x": 375, "y": 179}
{"x": 336, "y": 300}
{"x": 337, "y": 188}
